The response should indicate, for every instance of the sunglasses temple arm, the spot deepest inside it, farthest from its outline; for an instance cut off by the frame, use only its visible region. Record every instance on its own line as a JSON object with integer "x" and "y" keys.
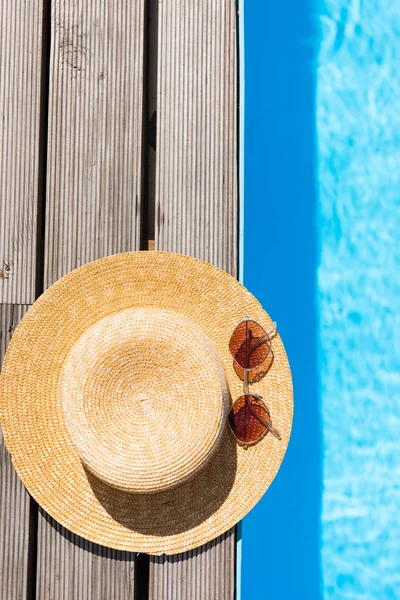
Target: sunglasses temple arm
{"x": 258, "y": 342}
{"x": 274, "y": 431}
{"x": 272, "y": 331}
{"x": 263, "y": 339}
{"x": 246, "y": 381}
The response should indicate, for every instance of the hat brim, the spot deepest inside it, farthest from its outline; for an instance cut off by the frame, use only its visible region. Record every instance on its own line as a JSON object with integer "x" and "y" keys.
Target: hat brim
{"x": 218, "y": 496}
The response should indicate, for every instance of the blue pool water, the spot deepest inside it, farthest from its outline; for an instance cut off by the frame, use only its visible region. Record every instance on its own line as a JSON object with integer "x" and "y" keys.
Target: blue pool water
{"x": 321, "y": 217}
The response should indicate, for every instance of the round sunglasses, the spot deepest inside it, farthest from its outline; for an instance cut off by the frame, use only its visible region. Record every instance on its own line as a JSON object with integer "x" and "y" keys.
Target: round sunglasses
{"x": 249, "y": 417}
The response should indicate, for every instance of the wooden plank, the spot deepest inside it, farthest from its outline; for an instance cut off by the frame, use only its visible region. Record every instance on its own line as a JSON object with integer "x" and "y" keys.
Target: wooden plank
{"x": 14, "y": 500}
{"x": 71, "y": 567}
{"x": 94, "y": 180}
{"x": 21, "y": 29}
{"x": 196, "y": 182}
{"x": 197, "y": 208}
{"x": 20, "y": 85}
{"x": 206, "y": 573}
{"x": 94, "y": 175}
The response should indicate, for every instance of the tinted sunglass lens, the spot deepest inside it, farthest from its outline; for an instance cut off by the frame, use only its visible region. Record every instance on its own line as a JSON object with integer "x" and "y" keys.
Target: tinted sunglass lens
{"x": 243, "y": 419}
{"x": 249, "y": 344}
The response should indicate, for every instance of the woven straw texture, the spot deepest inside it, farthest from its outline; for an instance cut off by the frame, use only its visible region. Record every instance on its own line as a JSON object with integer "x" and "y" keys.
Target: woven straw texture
{"x": 145, "y": 398}
{"x": 116, "y": 385}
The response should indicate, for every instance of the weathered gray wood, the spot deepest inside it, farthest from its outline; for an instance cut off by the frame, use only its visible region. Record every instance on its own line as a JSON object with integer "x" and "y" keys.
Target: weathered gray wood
{"x": 14, "y": 500}
{"x": 206, "y": 573}
{"x": 21, "y": 30}
{"x": 71, "y": 567}
{"x": 93, "y": 209}
{"x": 94, "y": 174}
{"x": 196, "y": 187}
{"x": 20, "y": 77}
{"x": 197, "y": 208}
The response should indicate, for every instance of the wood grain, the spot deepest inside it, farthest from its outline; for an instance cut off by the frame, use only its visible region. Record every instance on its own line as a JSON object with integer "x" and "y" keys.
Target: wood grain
{"x": 21, "y": 29}
{"x": 14, "y": 500}
{"x": 20, "y": 86}
{"x": 93, "y": 207}
{"x": 71, "y": 567}
{"x": 94, "y": 179}
{"x": 197, "y": 209}
{"x": 196, "y": 181}
{"x": 206, "y": 573}
{"x": 94, "y": 173}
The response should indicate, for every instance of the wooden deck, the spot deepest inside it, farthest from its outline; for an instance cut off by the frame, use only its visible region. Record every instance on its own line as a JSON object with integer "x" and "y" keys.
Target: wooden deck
{"x": 118, "y": 132}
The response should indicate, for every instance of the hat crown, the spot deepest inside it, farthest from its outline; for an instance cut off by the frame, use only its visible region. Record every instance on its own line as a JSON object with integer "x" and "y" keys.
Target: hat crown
{"x": 144, "y": 399}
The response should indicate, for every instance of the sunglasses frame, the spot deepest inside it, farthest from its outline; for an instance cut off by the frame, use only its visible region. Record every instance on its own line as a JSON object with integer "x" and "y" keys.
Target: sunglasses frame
{"x": 267, "y": 426}
{"x": 247, "y": 394}
{"x": 270, "y": 333}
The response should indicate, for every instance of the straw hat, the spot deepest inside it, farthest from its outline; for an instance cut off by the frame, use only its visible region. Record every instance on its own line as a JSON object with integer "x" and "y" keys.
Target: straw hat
{"x": 114, "y": 397}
